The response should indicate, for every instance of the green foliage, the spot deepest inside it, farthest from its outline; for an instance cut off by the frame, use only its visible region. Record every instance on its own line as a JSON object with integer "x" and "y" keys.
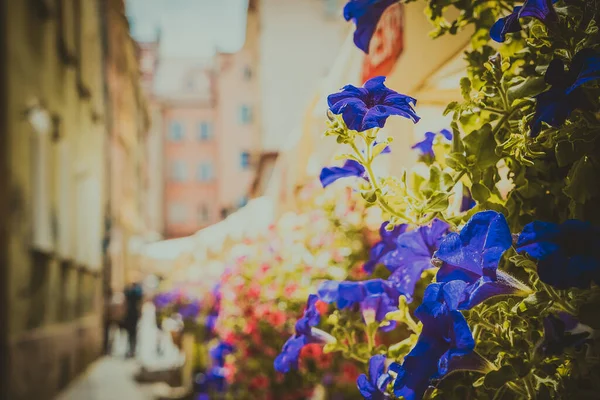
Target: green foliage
{"x": 552, "y": 177}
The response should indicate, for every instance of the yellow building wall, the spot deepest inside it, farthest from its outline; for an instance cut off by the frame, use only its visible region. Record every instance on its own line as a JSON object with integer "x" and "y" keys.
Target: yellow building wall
{"x": 54, "y": 186}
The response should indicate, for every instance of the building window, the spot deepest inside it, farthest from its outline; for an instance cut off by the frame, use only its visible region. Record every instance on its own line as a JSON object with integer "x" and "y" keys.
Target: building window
{"x": 245, "y": 160}
{"x": 204, "y": 131}
{"x": 205, "y": 172}
{"x": 176, "y": 131}
{"x": 247, "y": 73}
{"x": 245, "y": 114}
{"x": 178, "y": 171}
{"x": 177, "y": 213}
{"x": 203, "y": 214}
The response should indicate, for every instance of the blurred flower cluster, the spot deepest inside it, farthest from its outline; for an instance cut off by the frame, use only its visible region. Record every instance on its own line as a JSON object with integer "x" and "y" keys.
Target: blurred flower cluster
{"x": 265, "y": 288}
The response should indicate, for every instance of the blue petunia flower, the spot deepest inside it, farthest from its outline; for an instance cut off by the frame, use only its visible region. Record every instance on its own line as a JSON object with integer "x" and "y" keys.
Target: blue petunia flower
{"x": 567, "y": 253}
{"x": 467, "y": 201}
{"x": 163, "y": 300}
{"x": 408, "y": 254}
{"x": 385, "y": 246}
{"x": 190, "y": 310}
{"x": 219, "y": 351}
{"x": 558, "y": 336}
{"x": 305, "y": 334}
{"x": 425, "y": 147}
{"x": 366, "y": 14}
{"x": 375, "y": 297}
{"x": 350, "y": 168}
{"x": 470, "y": 262}
{"x": 373, "y": 387}
{"x": 540, "y": 9}
{"x": 445, "y": 335}
{"x": 555, "y": 105}
{"x": 370, "y": 106}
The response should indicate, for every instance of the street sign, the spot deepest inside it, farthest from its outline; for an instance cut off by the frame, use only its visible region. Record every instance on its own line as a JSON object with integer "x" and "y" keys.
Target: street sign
{"x": 386, "y": 44}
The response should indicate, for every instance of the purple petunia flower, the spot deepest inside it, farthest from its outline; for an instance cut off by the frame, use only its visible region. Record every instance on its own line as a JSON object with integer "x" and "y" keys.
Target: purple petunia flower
{"x": 373, "y": 387}
{"x": 408, "y": 255}
{"x": 467, "y": 201}
{"x": 350, "y": 168}
{"x": 557, "y": 336}
{"x": 555, "y": 105}
{"x": 540, "y": 9}
{"x": 385, "y": 246}
{"x": 370, "y": 106}
{"x": 163, "y": 300}
{"x": 425, "y": 146}
{"x": 305, "y": 334}
{"x": 470, "y": 262}
{"x": 375, "y": 297}
{"x": 190, "y": 310}
{"x": 445, "y": 336}
{"x": 366, "y": 14}
{"x": 219, "y": 351}
{"x": 567, "y": 253}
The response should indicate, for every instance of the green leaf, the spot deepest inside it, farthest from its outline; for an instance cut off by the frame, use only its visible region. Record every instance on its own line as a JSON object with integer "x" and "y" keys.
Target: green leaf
{"x": 379, "y": 148}
{"x": 402, "y": 348}
{"x": 568, "y": 152}
{"x": 465, "y": 88}
{"x": 482, "y": 144}
{"x": 496, "y": 379}
{"x": 456, "y": 161}
{"x": 480, "y": 193}
{"x": 528, "y": 88}
{"x": 438, "y": 202}
{"x": 369, "y": 196}
{"x": 582, "y": 181}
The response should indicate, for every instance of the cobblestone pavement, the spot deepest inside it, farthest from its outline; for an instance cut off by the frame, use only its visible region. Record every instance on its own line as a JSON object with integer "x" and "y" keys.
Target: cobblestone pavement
{"x": 110, "y": 378}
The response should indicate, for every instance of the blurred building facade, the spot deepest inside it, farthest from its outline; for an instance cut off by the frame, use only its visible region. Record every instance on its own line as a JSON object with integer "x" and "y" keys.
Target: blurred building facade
{"x": 205, "y": 135}
{"x": 127, "y": 169}
{"x": 53, "y": 193}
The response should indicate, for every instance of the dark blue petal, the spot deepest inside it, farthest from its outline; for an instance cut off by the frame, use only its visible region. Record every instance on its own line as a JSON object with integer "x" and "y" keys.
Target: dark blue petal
{"x": 508, "y": 24}
{"x": 288, "y": 358}
{"x": 585, "y": 67}
{"x": 366, "y": 14}
{"x": 446, "y": 133}
{"x": 365, "y": 387}
{"x": 310, "y": 318}
{"x": 328, "y": 291}
{"x": 369, "y": 107}
{"x": 567, "y": 253}
{"x": 479, "y": 246}
{"x": 540, "y": 9}
{"x": 425, "y": 146}
{"x": 350, "y": 168}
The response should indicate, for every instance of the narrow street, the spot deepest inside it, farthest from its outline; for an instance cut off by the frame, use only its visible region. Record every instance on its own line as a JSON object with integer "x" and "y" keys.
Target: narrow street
{"x": 114, "y": 377}
{"x": 110, "y": 378}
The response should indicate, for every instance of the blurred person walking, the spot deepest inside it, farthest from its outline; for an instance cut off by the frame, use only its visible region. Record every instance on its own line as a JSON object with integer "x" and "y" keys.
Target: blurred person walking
{"x": 133, "y": 297}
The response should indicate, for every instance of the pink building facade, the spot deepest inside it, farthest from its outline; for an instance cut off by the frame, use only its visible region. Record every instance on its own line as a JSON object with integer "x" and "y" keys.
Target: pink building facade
{"x": 206, "y": 113}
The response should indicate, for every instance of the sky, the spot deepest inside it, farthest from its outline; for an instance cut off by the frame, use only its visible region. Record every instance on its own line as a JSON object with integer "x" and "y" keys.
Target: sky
{"x": 190, "y": 28}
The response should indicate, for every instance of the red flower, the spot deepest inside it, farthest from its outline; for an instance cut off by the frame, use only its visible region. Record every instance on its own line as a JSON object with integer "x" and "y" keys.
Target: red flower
{"x": 260, "y": 382}
{"x": 290, "y": 289}
{"x": 322, "y": 307}
{"x": 264, "y": 267}
{"x": 350, "y": 373}
{"x": 276, "y": 318}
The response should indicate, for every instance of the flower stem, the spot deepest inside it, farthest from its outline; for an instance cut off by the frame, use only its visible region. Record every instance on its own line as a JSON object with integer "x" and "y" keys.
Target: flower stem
{"x": 530, "y": 387}
{"x": 366, "y": 162}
